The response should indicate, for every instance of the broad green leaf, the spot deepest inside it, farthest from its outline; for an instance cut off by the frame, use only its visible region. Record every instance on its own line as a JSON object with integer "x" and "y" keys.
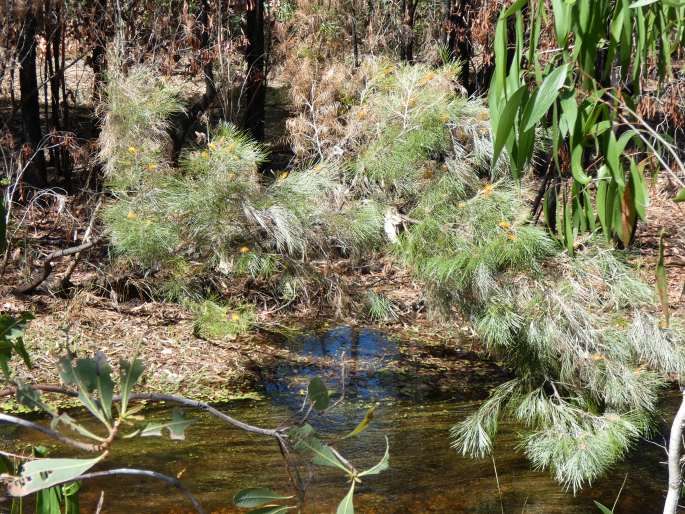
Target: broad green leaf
{"x": 256, "y": 497}
{"x": 176, "y": 427}
{"x": 318, "y": 394}
{"x": 642, "y": 3}
{"x": 569, "y": 237}
{"x": 662, "y": 282}
{"x": 513, "y": 8}
{"x": 562, "y": 20}
{"x": 544, "y": 97}
{"x": 382, "y": 465}
{"x": 505, "y": 124}
{"x": 346, "y": 506}
{"x": 680, "y": 197}
{"x": 363, "y": 424}
{"x": 129, "y": 374}
{"x": 577, "y": 169}
{"x": 40, "y": 474}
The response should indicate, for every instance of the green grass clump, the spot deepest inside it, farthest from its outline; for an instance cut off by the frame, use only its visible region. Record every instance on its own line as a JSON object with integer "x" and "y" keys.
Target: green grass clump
{"x": 215, "y": 321}
{"x": 380, "y": 308}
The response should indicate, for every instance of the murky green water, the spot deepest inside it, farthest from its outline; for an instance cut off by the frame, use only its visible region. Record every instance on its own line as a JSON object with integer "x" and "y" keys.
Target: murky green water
{"x": 421, "y": 395}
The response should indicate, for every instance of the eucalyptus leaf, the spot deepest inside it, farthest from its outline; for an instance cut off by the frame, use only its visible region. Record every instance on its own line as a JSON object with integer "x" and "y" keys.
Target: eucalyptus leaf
{"x": 382, "y": 465}
{"x": 40, "y": 474}
{"x": 176, "y": 427}
{"x": 363, "y": 424}
{"x": 346, "y": 506}
{"x": 257, "y": 497}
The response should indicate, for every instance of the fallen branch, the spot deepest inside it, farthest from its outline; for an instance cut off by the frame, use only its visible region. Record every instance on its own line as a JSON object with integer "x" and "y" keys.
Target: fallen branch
{"x": 31, "y": 286}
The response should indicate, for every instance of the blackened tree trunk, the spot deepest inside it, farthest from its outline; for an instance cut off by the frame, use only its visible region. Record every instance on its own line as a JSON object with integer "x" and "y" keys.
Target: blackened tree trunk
{"x": 98, "y": 57}
{"x": 35, "y": 175}
{"x": 407, "y": 29}
{"x": 256, "y": 69}
{"x": 456, "y": 36}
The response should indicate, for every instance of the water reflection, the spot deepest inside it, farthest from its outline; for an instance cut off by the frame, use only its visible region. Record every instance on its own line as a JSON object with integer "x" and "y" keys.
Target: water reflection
{"x": 420, "y": 396}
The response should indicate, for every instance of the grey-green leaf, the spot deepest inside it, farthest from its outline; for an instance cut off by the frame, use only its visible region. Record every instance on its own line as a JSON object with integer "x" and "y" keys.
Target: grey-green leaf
{"x": 346, "y": 506}
{"x": 382, "y": 465}
{"x": 256, "y": 497}
{"x": 43, "y": 473}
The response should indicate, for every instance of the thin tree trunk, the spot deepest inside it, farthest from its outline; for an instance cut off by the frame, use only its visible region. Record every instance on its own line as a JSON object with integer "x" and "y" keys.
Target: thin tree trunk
{"x": 36, "y": 175}
{"x": 675, "y": 477}
{"x": 256, "y": 70}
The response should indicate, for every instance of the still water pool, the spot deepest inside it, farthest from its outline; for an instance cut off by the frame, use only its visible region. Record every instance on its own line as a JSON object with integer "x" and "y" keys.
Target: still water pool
{"x": 420, "y": 391}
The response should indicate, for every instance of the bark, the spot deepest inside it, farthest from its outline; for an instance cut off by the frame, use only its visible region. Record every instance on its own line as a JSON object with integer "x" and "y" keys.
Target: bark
{"x": 194, "y": 112}
{"x": 256, "y": 65}
{"x": 36, "y": 175}
{"x": 675, "y": 477}
{"x": 456, "y": 36}
{"x": 408, "y": 17}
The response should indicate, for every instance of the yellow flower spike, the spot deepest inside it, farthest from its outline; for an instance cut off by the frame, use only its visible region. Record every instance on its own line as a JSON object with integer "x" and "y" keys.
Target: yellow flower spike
{"x": 151, "y": 166}
{"x": 283, "y": 175}
{"x": 212, "y": 146}
{"x": 411, "y": 101}
{"x": 132, "y": 150}
{"x": 235, "y": 317}
{"x": 361, "y": 114}
{"x": 504, "y": 225}
{"x": 204, "y": 154}
{"x": 317, "y": 168}
{"x": 511, "y": 236}
{"x": 483, "y": 115}
{"x": 488, "y": 189}
{"x": 444, "y": 117}
{"x": 232, "y": 175}
{"x": 131, "y": 215}
{"x": 244, "y": 249}
{"x": 231, "y": 147}
{"x": 445, "y": 167}
{"x": 461, "y": 205}
{"x": 597, "y": 357}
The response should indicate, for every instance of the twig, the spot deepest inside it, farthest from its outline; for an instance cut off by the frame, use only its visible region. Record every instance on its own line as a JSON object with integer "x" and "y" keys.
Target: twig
{"x": 6, "y": 418}
{"x": 145, "y": 473}
{"x": 101, "y": 501}
{"x": 86, "y": 236}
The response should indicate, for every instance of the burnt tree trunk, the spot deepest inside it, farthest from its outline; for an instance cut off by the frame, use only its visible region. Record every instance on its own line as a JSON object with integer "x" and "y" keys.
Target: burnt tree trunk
{"x": 256, "y": 70}
{"x": 407, "y": 30}
{"x": 456, "y": 36}
{"x": 36, "y": 174}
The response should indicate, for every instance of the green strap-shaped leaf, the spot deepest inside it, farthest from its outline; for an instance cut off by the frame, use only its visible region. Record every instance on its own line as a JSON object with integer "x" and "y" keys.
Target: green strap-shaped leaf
{"x": 346, "y": 506}
{"x": 640, "y": 193}
{"x": 544, "y": 97}
{"x": 680, "y": 197}
{"x": 256, "y": 497}
{"x": 505, "y": 125}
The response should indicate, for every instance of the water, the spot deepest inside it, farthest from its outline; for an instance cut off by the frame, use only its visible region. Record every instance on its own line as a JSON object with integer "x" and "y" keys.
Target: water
{"x": 420, "y": 395}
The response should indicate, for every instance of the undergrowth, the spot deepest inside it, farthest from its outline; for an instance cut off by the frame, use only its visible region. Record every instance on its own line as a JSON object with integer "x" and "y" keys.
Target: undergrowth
{"x": 410, "y": 162}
